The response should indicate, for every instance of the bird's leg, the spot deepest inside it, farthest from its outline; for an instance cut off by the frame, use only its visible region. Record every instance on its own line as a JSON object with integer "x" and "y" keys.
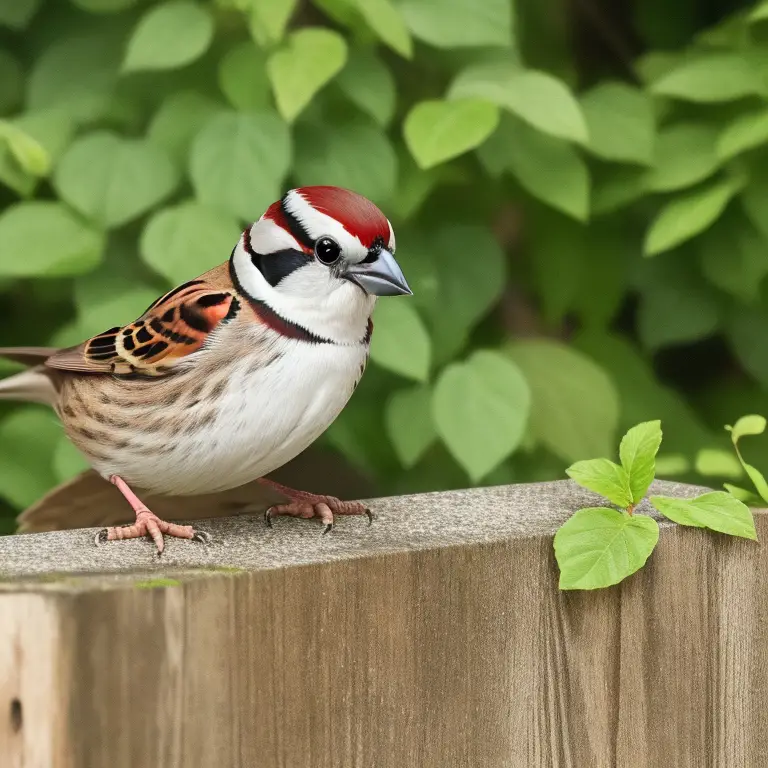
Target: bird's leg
{"x": 147, "y": 523}
{"x": 306, "y": 505}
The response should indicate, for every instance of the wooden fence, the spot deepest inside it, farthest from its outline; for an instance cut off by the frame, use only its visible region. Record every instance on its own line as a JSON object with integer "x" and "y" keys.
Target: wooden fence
{"x": 435, "y": 638}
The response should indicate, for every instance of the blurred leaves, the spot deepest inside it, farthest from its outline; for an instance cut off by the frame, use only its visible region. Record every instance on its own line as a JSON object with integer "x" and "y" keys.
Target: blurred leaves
{"x": 401, "y": 342}
{"x": 178, "y": 242}
{"x": 480, "y": 408}
{"x": 525, "y": 173}
{"x": 238, "y": 161}
{"x": 112, "y": 180}
{"x": 539, "y": 99}
{"x": 170, "y": 35}
{"x": 620, "y": 123}
{"x": 76, "y": 247}
{"x": 458, "y": 23}
{"x": 303, "y": 65}
{"x": 436, "y": 131}
{"x": 574, "y": 405}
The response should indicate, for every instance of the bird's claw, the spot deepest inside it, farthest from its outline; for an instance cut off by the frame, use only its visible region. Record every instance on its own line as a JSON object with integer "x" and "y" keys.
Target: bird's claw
{"x": 101, "y": 537}
{"x": 371, "y": 517}
{"x": 268, "y": 517}
{"x": 202, "y": 537}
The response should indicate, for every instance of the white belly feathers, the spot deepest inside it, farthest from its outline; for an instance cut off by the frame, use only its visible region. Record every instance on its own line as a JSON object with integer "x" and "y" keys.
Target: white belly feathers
{"x": 266, "y": 415}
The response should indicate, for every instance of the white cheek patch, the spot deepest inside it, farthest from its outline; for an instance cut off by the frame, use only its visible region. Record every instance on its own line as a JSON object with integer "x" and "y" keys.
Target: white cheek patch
{"x": 268, "y": 237}
{"x": 318, "y": 224}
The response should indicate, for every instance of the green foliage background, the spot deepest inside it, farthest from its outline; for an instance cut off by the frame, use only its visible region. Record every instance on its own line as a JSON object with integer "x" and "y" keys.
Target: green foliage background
{"x": 579, "y": 192}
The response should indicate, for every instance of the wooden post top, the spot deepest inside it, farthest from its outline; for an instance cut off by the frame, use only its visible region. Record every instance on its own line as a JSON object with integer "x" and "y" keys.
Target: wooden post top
{"x": 69, "y": 560}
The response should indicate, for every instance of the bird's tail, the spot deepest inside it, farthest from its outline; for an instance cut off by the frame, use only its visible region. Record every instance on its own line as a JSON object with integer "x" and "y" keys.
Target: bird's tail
{"x": 34, "y": 385}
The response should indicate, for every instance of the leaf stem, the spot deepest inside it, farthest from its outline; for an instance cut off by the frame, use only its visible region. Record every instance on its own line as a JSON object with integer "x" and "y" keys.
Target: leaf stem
{"x": 630, "y": 509}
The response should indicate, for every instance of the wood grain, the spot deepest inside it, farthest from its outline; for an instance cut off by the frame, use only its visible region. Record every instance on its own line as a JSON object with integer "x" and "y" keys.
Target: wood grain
{"x": 454, "y": 655}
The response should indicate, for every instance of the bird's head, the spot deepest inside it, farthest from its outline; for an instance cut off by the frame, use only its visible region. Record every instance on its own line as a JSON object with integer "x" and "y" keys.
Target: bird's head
{"x": 319, "y": 256}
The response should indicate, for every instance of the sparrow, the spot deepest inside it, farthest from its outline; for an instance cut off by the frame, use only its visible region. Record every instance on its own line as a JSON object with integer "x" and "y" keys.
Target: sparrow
{"x": 231, "y": 375}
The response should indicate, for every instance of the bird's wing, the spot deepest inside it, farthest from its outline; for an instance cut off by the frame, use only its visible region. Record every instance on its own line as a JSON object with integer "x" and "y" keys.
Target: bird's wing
{"x": 176, "y": 325}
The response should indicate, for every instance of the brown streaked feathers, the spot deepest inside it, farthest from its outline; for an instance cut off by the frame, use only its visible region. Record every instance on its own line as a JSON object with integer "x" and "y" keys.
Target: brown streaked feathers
{"x": 175, "y": 326}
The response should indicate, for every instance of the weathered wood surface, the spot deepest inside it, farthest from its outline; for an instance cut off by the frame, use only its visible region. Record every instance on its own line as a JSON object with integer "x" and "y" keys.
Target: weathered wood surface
{"x": 435, "y": 638}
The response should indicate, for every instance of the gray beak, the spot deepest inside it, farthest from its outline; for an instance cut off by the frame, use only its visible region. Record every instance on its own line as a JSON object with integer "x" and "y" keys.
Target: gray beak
{"x": 382, "y": 277}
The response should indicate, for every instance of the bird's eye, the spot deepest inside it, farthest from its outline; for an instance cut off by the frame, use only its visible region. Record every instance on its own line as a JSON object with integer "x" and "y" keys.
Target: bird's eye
{"x": 327, "y": 250}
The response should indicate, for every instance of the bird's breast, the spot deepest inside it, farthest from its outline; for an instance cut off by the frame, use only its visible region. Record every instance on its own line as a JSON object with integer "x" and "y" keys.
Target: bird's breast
{"x": 222, "y": 425}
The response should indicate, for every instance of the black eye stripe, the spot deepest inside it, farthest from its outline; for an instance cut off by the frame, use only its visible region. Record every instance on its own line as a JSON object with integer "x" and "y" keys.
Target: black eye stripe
{"x": 277, "y": 265}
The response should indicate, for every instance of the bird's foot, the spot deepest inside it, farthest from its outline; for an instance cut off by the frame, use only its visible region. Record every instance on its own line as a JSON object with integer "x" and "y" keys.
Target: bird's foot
{"x": 147, "y": 524}
{"x": 308, "y": 505}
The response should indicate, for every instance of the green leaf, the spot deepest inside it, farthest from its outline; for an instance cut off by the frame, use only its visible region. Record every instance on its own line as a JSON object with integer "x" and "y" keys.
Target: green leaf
{"x": 480, "y": 410}
{"x": 539, "y": 99}
{"x": 714, "y": 462}
{"x": 734, "y": 257}
{"x": 718, "y": 511}
{"x": 310, "y": 58}
{"x": 444, "y": 277}
{"x": 180, "y": 118}
{"x": 243, "y": 78}
{"x": 17, "y": 14}
{"x": 620, "y": 123}
{"x": 386, "y": 20}
{"x": 754, "y": 199}
{"x": 598, "y": 547}
{"x": 436, "y": 131}
{"x": 169, "y": 36}
{"x": 713, "y": 77}
{"x": 604, "y": 477}
{"x": 575, "y": 407}
{"x": 354, "y": 155}
{"x": 615, "y": 187}
{"x": 686, "y": 216}
{"x": 671, "y": 313}
{"x": 113, "y": 180}
{"x": 746, "y": 132}
{"x": 457, "y": 23}
{"x": 409, "y": 423}
{"x": 104, "y": 6}
{"x": 638, "y": 451}
{"x": 743, "y": 495}
{"x": 51, "y": 129}
{"x": 549, "y": 169}
{"x": 685, "y": 154}
{"x": 400, "y": 342}
{"x": 272, "y": 16}
{"x": 27, "y": 151}
{"x": 747, "y": 329}
{"x": 181, "y": 243}
{"x": 11, "y": 82}
{"x": 77, "y": 247}
{"x": 67, "y": 461}
{"x": 367, "y": 83}
{"x": 238, "y": 162}
{"x": 750, "y": 425}
{"x": 26, "y": 472}
{"x": 77, "y": 75}
{"x": 747, "y": 425}
{"x": 760, "y": 12}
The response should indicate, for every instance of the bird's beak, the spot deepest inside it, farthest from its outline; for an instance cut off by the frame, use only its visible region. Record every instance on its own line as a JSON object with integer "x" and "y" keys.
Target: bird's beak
{"x": 381, "y": 277}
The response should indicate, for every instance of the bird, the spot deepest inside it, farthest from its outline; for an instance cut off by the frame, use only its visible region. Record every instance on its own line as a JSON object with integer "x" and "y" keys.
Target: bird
{"x": 229, "y": 376}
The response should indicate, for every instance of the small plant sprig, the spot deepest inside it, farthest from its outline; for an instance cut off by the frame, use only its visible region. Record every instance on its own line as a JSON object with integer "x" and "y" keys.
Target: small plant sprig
{"x": 600, "y": 546}
{"x": 748, "y": 425}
